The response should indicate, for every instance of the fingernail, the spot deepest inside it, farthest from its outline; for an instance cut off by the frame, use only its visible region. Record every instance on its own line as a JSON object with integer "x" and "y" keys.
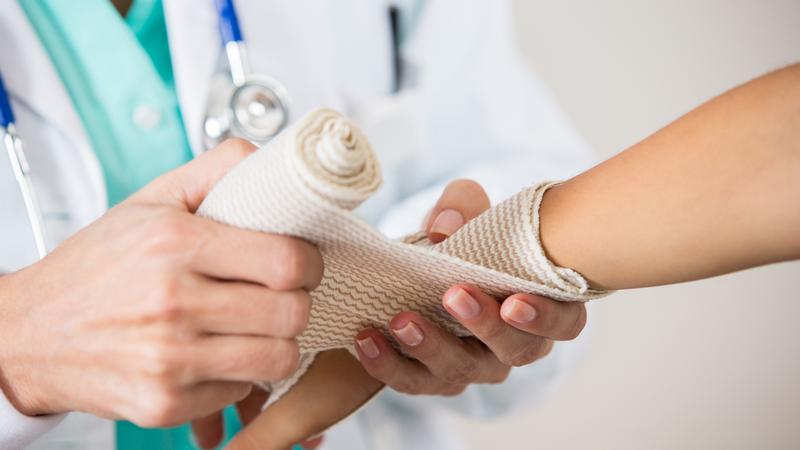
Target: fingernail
{"x": 518, "y": 311}
{"x": 447, "y": 222}
{"x": 463, "y": 305}
{"x": 368, "y": 347}
{"x": 409, "y": 334}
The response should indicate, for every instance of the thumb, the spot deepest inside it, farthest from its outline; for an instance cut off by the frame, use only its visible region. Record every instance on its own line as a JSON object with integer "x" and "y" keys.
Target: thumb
{"x": 461, "y": 201}
{"x": 187, "y": 186}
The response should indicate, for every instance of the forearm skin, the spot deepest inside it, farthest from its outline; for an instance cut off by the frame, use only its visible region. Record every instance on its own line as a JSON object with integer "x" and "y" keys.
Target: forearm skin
{"x": 716, "y": 191}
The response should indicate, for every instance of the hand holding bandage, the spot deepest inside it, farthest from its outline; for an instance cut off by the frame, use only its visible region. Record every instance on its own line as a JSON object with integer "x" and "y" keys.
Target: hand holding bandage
{"x": 304, "y": 184}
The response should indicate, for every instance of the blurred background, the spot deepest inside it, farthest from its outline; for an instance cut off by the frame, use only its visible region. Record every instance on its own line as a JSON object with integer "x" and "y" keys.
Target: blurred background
{"x": 708, "y": 365}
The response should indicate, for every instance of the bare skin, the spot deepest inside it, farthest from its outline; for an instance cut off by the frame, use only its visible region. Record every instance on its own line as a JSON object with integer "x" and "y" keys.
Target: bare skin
{"x": 179, "y": 311}
{"x": 122, "y": 6}
{"x": 168, "y": 400}
{"x": 714, "y": 192}
{"x": 439, "y": 364}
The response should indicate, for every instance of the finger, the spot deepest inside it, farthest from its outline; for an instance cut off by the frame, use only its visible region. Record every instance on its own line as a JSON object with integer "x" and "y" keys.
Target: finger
{"x": 188, "y": 185}
{"x": 252, "y": 404}
{"x": 214, "y": 396}
{"x": 188, "y": 404}
{"x": 208, "y": 430}
{"x": 480, "y": 314}
{"x": 313, "y": 443}
{"x": 456, "y": 361}
{"x": 278, "y": 262}
{"x": 384, "y": 363}
{"x": 222, "y": 307}
{"x": 334, "y": 386}
{"x": 542, "y": 316}
{"x": 461, "y": 201}
{"x": 241, "y": 358}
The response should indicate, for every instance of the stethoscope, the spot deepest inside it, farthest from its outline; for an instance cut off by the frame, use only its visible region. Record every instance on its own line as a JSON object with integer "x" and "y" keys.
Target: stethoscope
{"x": 22, "y": 171}
{"x": 254, "y": 106}
{"x": 251, "y": 106}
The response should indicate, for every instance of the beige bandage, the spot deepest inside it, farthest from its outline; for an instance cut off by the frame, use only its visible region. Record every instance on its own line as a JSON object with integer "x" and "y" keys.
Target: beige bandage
{"x": 305, "y": 184}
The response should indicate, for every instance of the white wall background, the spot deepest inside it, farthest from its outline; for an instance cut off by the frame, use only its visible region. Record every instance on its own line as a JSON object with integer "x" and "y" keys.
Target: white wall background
{"x": 707, "y": 365}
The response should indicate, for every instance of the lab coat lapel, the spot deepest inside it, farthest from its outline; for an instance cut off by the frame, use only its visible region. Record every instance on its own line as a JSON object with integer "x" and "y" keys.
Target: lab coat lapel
{"x": 31, "y": 78}
{"x": 195, "y": 49}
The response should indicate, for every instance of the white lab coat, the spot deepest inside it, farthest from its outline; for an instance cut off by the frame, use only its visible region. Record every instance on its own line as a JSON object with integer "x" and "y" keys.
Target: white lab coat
{"x": 468, "y": 108}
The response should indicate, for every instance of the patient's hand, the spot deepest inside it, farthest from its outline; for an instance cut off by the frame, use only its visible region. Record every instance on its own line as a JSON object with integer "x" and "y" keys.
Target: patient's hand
{"x": 508, "y": 332}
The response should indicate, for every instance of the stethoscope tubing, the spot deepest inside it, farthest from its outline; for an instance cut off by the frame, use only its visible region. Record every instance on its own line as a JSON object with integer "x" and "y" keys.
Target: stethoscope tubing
{"x": 22, "y": 171}
{"x": 229, "y": 29}
{"x": 236, "y": 53}
{"x": 243, "y": 80}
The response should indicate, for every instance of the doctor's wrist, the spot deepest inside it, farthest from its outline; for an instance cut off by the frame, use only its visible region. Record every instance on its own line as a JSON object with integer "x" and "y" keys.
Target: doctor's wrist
{"x": 19, "y": 368}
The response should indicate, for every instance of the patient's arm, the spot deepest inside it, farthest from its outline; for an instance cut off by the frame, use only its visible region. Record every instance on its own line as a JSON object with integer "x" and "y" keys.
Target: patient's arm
{"x": 716, "y": 191}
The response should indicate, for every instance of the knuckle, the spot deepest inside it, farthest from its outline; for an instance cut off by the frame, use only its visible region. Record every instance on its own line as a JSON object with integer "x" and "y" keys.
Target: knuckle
{"x": 290, "y": 265}
{"x": 452, "y": 391}
{"x": 240, "y": 391}
{"x": 168, "y": 233}
{"x": 493, "y": 331}
{"x": 462, "y": 372}
{"x": 161, "y": 361}
{"x": 382, "y": 369}
{"x": 405, "y": 386}
{"x": 297, "y": 308}
{"x": 499, "y": 376}
{"x": 577, "y": 326}
{"x": 165, "y": 305}
{"x": 528, "y": 354}
{"x": 159, "y": 408}
{"x": 284, "y": 359}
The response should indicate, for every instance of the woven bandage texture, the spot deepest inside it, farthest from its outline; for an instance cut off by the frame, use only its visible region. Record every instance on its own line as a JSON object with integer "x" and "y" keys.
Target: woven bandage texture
{"x": 306, "y": 182}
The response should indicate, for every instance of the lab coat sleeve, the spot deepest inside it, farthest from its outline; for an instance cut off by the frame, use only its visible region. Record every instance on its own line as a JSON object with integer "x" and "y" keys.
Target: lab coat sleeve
{"x": 18, "y": 430}
{"x": 478, "y": 112}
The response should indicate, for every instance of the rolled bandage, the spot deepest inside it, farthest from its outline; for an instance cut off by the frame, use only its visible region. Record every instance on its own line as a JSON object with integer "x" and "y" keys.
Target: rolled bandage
{"x": 305, "y": 183}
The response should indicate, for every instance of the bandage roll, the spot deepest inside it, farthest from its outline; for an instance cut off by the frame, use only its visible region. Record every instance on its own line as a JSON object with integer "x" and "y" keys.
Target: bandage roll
{"x": 334, "y": 159}
{"x": 319, "y": 164}
{"x": 305, "y": 183}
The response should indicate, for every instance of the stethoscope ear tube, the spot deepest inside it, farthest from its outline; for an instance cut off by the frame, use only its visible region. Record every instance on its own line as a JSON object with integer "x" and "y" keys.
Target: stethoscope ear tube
{"x": 232, "y": 41}
{"x": 6, "y": 114}
{"x": 228, "y": 22}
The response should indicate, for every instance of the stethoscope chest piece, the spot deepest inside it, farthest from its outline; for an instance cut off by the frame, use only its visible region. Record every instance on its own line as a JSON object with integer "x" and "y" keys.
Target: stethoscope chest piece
{"x": 256, "y": 110}
{"x": 242, "y": 104}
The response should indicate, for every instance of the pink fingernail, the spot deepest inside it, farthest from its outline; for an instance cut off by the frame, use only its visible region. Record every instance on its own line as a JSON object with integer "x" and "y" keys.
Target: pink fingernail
{"x": 518, "y": 311}
{"x": 368, "y": 347}
{"x": 410, "y": 334}
{"x": 463, "y": 305}
{"x": 447, "y": 222}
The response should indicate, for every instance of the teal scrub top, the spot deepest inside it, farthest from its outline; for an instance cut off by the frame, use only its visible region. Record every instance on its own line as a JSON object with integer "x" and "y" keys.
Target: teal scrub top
{"x": 118, "y": 74}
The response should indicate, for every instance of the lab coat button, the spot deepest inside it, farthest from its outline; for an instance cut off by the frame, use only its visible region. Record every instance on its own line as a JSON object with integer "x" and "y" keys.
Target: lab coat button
{"x": 146, "y": 117}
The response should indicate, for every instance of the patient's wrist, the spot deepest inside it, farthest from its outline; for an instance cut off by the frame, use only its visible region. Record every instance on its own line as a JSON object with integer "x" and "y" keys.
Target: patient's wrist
{"x": 566, "y": 239}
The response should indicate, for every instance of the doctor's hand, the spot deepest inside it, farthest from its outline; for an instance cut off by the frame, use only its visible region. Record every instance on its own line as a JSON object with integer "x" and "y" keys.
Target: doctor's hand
{"x": 514, "y": 331}
{"x": 153, "y": 314}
